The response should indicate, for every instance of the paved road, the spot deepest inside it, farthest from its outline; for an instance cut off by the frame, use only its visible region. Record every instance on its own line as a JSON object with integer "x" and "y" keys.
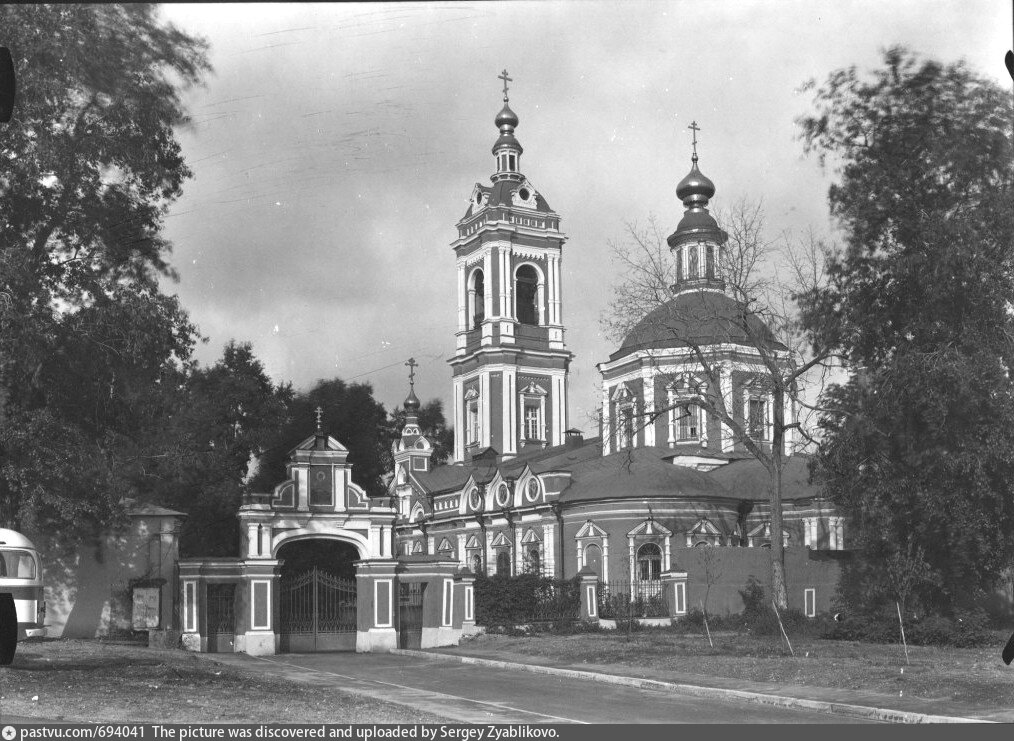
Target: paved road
{"x": 472, "y": 694}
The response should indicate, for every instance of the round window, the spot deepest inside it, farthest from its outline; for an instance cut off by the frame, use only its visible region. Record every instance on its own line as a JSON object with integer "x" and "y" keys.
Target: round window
{"x": 524, "y": 194}
{"x": 503, "y": 495}
{"x": 532, "y": 490}
{"x": 474, "y": 500}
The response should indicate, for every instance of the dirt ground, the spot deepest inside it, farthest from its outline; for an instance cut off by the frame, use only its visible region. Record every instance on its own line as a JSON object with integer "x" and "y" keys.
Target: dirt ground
{"x": 976, "y": 677}
{"x": 77, "y": 680}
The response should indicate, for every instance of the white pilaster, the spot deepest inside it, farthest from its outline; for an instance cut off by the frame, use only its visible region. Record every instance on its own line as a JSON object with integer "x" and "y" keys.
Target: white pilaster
{"x": 607, "y": 437}
{"x": 549, "y": 549}
{"x": 725, "y": 389}
{"x": 648, "y": 385}
{"x": 484, "y": 410}
{"x": 459, "y": 421}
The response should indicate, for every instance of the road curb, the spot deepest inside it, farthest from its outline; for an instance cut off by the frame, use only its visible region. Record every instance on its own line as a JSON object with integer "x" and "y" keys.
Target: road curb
{"x": 718, "y": 693}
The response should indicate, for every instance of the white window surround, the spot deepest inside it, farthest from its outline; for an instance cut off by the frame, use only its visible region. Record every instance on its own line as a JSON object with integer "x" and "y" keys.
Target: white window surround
{"x": 649, "y": 531}
{"x": 592, "y": 534}
{"x": 532, "y": 400}
{"x": 754, "y": 392}
{"x": 810, "y": 602}
{"x": 763, "y": 533}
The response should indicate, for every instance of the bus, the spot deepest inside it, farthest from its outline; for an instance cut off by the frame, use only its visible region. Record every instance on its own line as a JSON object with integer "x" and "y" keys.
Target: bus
{"x": 22, "y": 602}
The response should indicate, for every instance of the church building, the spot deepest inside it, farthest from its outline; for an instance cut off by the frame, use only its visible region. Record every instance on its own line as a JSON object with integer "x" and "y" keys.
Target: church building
{"x": 524, "y": 493}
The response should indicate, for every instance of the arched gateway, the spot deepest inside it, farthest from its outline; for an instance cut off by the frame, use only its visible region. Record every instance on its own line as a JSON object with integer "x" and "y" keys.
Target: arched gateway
{"x": 317, "y": 572}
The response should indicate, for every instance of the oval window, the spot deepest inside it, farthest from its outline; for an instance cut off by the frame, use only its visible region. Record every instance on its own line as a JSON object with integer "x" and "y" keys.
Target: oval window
{"x": 503, "y": 495}
{"x": 524, "y": 194}
{"x": 474, "y": 500}
{"x": 532, "y": 490}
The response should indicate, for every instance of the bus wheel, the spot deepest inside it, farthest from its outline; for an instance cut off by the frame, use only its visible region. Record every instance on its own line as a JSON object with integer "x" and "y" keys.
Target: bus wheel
{"x": 8, "y": 629}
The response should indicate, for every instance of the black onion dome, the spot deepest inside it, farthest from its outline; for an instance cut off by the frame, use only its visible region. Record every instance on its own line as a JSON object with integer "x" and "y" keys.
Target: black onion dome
{"x": 506, "y": 117}
{"x": 696, "y": 188}
{"x": 412, "y": 402}
{"x": 696, "y": 318}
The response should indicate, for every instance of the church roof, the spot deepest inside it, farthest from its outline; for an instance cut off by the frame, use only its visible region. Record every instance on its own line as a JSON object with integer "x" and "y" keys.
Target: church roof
{"x": 698, "y": 318}
{"x": 636, "y": 473}
{"x": 749, "y": 479}
{"x": 500, "y": 193}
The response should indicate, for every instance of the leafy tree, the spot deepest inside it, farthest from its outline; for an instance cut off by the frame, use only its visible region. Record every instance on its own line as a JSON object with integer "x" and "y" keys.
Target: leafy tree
{"x": 755, "y": 312}
{"x": 227, "y": 415}
{"x": 919, "y": 444}
{"x": 351, "y": 415}
{"x": 433, "y": 426}
{"x": 88, "y": 345}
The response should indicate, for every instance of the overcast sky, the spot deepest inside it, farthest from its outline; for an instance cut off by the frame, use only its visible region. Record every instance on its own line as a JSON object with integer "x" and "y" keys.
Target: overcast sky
{"x": 335, "y": 147}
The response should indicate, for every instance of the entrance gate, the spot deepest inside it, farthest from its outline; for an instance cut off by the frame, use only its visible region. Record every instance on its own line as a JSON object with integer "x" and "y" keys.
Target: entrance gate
{"x": 318, "y": 612}
{"x": 410, "y": 614}
{"x": 221, "y": 617}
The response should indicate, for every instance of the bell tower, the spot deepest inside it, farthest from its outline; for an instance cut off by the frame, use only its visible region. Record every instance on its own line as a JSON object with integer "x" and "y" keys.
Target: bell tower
{"x": 510, "y": 364}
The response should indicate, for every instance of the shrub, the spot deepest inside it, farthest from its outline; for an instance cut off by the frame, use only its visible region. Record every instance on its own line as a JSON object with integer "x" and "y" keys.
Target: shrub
{"x": 525, "y": 599}
{"x": 964, "y": 630}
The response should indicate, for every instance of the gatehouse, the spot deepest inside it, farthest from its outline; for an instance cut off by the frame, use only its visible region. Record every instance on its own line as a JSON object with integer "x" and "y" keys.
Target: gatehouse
{"x": 317, "y": 571}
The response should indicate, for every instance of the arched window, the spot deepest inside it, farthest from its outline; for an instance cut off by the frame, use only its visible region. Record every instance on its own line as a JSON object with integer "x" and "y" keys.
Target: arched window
{"x": 593, "y": 558}
{"x": 476, "y": 563}
{"x": 649, "y": 562}
{"x": 679, "y": 264}
{"x": 710, "y": 265}
{"x": 534, "y": 561}
{"x": 526, "y": 293}
{"x": 478, "y": 299}
{"x": 503, "y": 562}
{"x": 693, "y": 268}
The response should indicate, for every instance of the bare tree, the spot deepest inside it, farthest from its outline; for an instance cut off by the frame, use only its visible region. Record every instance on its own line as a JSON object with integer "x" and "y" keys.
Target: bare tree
{"x": 738, "y": 314}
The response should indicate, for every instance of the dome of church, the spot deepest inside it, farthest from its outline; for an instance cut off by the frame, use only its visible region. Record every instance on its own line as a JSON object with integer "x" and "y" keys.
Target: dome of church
{"x": 412, "y": 402}
{"x": 696, "y": 318}
{"x": 506, "y": 117}
{"x": 696, "y": 188}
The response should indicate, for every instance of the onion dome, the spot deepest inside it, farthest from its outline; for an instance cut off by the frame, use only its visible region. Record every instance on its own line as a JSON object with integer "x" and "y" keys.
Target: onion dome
{"x": 697, "y": 223}
{"x": 506, "y": 118}
{"x": 412, "y": 402}
{"x": 696, "y": 188}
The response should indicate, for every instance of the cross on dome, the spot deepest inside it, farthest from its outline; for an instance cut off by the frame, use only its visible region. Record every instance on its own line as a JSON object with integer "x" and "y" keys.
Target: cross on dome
{"x": 411, "y": 371}
{"x": 503, "y": 76}
{"x": 695, "y": 128}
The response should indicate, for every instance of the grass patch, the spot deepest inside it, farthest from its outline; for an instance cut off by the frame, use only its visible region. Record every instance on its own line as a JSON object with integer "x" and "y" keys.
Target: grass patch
{"x": 88, "y": 681}
{"x": 975, "y": 677}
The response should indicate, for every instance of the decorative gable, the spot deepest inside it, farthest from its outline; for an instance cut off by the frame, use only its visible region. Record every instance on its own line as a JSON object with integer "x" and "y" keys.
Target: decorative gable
{"x": 649, "y": 529}
{"x": 590, "y": 530}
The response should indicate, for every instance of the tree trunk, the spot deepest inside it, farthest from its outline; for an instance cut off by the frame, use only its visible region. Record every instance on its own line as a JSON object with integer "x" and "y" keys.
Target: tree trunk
{"x": 778, "y": 593}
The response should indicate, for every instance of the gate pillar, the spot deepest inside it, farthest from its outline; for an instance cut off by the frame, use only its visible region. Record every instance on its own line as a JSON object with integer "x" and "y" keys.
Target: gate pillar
{"x": 257, "y": 607}
{"x": 464, "y": 602}
{"x": 674, "y": 590}
{"x": 589, "y": 581}
{"x": 376, "y": 602}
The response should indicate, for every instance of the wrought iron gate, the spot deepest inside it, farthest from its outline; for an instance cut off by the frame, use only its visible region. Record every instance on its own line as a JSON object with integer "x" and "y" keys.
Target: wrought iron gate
{"x": 318, "y": 612}
{"x": 221, "y": 618}
{"x": 410, "y": 614}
